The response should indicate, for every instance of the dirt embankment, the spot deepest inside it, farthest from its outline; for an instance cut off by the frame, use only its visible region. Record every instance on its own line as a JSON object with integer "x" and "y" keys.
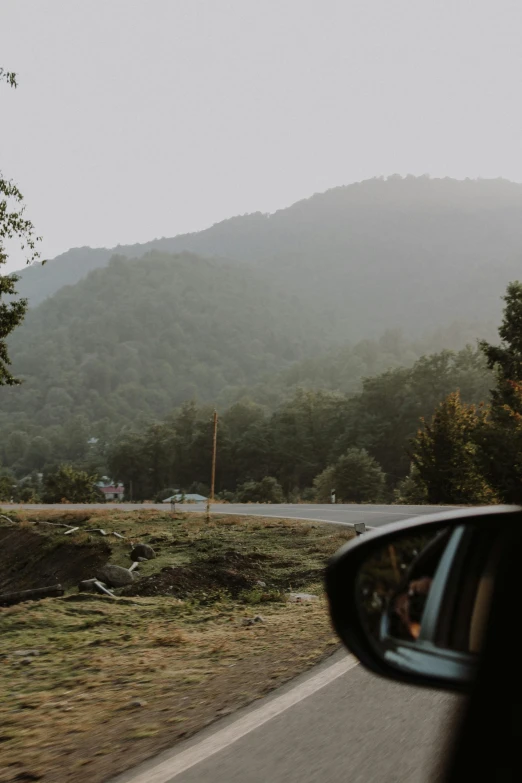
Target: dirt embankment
{"x": 37, "y": 559}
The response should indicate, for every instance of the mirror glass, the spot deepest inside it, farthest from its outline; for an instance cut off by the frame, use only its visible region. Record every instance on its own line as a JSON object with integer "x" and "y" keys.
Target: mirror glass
{"x": 424, "y": 598}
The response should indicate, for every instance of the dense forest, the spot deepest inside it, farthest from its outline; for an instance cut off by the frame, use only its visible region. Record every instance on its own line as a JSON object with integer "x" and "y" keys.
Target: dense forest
{"x": 446, "y": 430}
{"x": 292, "y": 445}
{"x": 137, "y": 338}
{"x": 307, "y": 434}
{"x": 123, "y": 348}
{"x": 122, "y": 369}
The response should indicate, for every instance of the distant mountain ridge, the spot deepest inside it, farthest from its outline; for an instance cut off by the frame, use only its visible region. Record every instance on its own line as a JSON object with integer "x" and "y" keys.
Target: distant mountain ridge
{"x": 409, "y": 252}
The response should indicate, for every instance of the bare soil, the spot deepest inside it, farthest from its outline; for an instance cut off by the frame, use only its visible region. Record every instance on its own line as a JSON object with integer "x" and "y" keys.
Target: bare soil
{"x": 30, "y": 559}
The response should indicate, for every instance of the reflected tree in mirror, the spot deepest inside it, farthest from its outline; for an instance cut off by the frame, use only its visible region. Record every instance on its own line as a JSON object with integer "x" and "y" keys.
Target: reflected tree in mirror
{"x": 393, "y": 585}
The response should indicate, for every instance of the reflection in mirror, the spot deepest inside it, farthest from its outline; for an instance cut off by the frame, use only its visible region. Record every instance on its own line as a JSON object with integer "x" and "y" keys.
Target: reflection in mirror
{"x": 394, "y": 585}
{"x": 424, "y": 599}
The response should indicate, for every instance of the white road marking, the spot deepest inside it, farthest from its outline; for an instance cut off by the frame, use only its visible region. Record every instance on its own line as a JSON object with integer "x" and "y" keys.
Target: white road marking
{"x": 180, "y": 762}
{"x": 299, "y": 519}
{"x": 245, "y": 513}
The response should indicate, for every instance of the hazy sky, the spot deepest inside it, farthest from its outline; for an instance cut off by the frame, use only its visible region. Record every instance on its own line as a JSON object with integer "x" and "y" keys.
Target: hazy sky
{"x": 137, "y": 119}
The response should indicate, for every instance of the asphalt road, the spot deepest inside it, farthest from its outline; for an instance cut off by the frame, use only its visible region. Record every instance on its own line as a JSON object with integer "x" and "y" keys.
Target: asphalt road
{"x": 371, "y": 515}
{"x": 347, "y": 514}
{"x": 358, "y": 727}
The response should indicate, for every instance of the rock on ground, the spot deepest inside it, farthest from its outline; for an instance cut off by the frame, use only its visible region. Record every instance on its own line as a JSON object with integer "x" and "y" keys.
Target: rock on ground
{"x": 142, "y": 551}
{"x": 300, "y": 598}
{"x": 114, "y": 576}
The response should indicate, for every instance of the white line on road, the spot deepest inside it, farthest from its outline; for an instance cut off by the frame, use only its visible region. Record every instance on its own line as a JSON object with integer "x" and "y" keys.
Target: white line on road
{"x": 180, "y": 762}
{"x": 280, "y": 515}
{"x": 290, "y": 519}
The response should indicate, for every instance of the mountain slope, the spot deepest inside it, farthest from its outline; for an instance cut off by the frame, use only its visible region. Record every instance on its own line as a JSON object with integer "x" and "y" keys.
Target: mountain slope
{"x": 414, "y": 253}
{"x": 140, "y": 336}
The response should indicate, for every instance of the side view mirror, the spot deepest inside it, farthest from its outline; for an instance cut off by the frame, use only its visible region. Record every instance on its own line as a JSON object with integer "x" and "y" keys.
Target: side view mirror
{"x": 412, "y": 600}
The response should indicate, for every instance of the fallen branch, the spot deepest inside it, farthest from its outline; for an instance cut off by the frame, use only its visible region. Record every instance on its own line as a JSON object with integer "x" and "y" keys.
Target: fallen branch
{"x": 7, "y": 599}
{"x": 102, "y": 589}
{"x": 70, "y": 528}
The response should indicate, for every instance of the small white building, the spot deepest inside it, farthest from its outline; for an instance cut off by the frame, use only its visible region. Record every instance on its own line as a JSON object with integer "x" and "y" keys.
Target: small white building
{"x": 112, "y": 491}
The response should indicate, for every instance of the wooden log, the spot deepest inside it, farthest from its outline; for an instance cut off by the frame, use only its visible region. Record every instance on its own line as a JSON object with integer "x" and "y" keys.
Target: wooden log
{"x": 7, "y": 599}
{"x": 72, "y": 530}
{"x": 133, "y": 566}
{"x": 3, "y": 516}
{"x": 97, "y": 530}
{"x": 118, "y": 535}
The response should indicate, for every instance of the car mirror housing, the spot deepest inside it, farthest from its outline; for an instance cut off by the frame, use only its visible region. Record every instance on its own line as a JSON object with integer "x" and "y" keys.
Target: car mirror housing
{"x": 412, "y": 600}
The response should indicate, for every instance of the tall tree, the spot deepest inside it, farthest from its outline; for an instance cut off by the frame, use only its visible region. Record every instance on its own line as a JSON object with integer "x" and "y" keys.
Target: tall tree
{"x": 501, "y": 441}
{"x": 13, "y": 225}
{"x": 303, "y": 431}
{"x": 385, "y": 415}
{"x": 444, "y": 453}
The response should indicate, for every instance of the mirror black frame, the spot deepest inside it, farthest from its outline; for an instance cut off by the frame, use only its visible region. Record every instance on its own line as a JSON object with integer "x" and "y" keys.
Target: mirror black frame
{"x": 341, "y": 582}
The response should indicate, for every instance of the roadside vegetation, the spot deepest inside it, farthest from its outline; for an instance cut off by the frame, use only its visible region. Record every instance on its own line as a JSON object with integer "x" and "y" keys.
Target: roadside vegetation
{"x": 263, "y": 455}
{"x": 92, "y": 685}
{"x": 445, "y": 431}
{"x": 472, "y": 453}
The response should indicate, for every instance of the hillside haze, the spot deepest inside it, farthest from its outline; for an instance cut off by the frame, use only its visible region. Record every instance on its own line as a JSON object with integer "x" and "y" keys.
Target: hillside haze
{"x": 308, "y": 297}
{"x": 140, "y": 336}
{"x": 409, "y": 253}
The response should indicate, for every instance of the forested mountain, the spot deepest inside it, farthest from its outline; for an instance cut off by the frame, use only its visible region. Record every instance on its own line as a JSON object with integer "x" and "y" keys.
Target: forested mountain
{"x": 344, "y": 367}
{"x": 413, "y": 253}
{"x": 313, "y": 297}
{"x": 132, "y": 341}
{"x": 139, "y": 337}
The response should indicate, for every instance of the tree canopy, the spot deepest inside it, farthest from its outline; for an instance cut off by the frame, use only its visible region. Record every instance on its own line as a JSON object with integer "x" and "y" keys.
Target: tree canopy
{"x": 13, "y": 226}
{"x": 474, "y": 455}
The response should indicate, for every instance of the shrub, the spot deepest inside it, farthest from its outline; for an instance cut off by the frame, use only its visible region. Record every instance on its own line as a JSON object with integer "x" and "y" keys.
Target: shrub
{"x": 268, "y": 490}
{"x": 68, "y": 485}
{"x": 356, "y": 478}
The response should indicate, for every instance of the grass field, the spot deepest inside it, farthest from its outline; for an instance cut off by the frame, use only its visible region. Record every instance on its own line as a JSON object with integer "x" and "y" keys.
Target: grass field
{"x": 93, "y": 685}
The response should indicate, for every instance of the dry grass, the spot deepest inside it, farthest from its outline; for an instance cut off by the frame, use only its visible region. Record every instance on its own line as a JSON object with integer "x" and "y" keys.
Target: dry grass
{"x": 118, "y": 680}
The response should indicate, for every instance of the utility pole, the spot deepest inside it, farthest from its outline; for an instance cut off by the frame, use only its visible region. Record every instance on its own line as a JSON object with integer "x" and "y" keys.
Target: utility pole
{"x": 210, "y": 499}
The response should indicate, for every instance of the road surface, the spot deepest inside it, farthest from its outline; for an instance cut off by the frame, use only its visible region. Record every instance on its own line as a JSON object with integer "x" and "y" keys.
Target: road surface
{"x": 347, "y": 514}
{"x": 354, "y": 727}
